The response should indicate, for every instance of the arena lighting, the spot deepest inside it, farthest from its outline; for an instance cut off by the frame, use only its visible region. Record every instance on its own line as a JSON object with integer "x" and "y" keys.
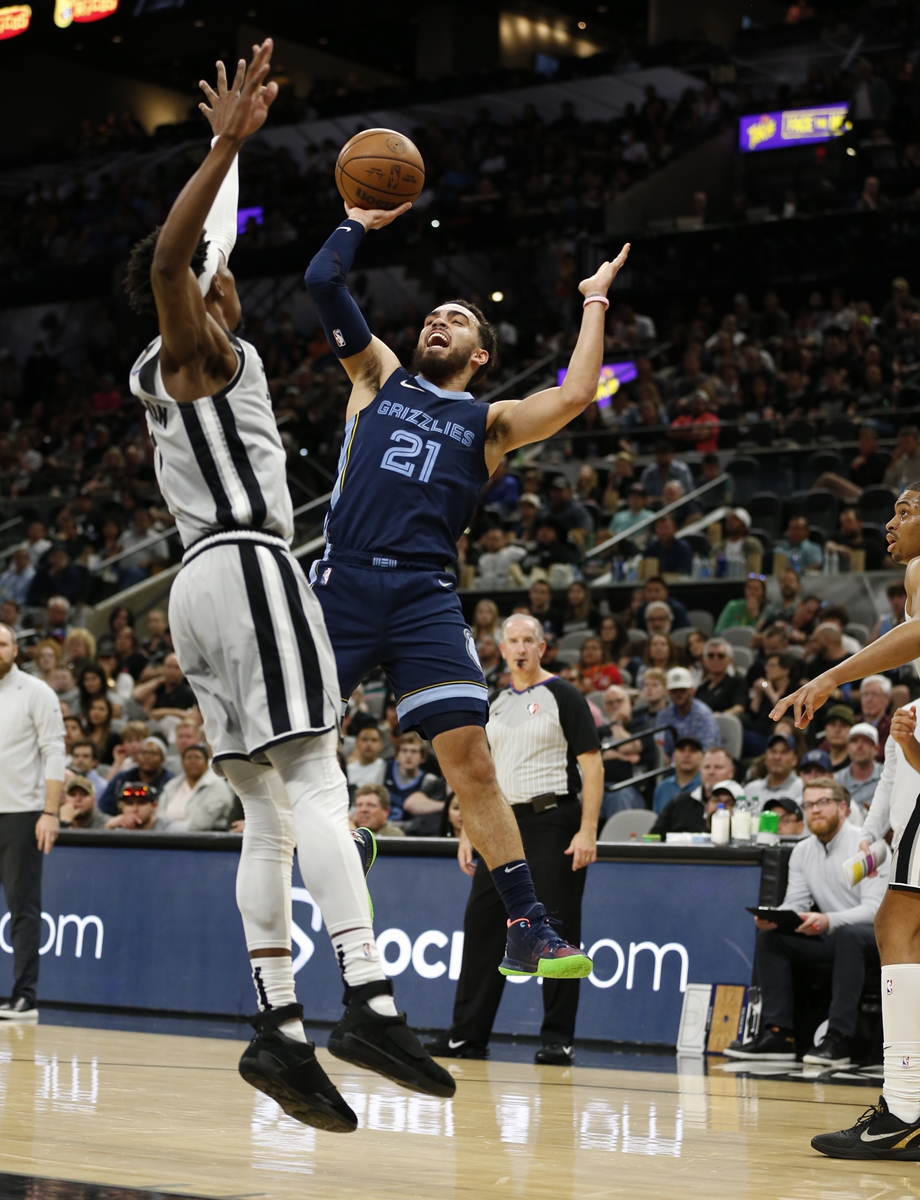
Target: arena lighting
{"x": 851, "y": 152}
{"x": 611, "y": 379}
{"x": 582, "y": 25}
{"x": 82, "y": 11}
{"x": 435, "y": 224}
{"x": 14, "y": 20}
{"x": 791, "y": 127}
{"x": 498, "y": 297}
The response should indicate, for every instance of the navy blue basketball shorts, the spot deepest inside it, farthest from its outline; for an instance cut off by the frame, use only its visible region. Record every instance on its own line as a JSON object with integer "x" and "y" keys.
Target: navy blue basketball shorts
{"x": 409, "y": 622}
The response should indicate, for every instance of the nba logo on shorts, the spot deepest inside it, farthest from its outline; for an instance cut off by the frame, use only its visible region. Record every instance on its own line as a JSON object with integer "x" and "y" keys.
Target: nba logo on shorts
{"x": 326, "y": 574}
{"x": 471, "y": 648}
{"x": 533, "y": 708}
{"x": 889, "y": 987}
{"x": 339, "y": 340}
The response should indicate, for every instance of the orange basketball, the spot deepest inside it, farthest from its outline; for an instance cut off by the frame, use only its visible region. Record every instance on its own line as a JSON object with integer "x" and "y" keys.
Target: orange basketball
{"x": 379, "y": 168}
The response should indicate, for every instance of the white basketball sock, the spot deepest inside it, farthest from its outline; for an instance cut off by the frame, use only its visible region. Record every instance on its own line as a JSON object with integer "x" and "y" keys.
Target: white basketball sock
{"x": 901, "y": 1030}
{"x": 329, "y": 863}
{"x": 274, "y": 982}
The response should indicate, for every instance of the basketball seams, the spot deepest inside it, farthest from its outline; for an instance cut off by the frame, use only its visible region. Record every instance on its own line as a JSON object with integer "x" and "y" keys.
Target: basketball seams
{"x": 352, "y": 176}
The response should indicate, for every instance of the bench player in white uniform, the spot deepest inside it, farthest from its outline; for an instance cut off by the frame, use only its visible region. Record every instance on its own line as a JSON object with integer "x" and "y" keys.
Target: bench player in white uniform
{"x": 250, "y": 634}
{"x": 890, "y": 1130}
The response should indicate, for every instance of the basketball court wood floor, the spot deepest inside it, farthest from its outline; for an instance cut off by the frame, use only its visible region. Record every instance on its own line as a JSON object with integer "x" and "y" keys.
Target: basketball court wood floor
{"x": 170, "y": 1114}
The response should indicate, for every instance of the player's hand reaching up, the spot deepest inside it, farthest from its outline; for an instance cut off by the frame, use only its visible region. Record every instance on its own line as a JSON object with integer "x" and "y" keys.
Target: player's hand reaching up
{"x": 239, "y": 110}
{"x": 375, "y": 218}
{"x": 600, "y": 282}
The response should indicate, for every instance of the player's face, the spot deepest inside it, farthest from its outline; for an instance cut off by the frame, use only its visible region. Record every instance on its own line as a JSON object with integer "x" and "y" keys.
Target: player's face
{"x": 904, "y": 528}
{"x": 447, "y": 344}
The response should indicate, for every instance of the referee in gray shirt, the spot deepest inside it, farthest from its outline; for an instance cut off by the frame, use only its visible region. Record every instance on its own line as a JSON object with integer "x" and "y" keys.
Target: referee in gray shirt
{"x": 548, "y": 762}
{"x": 31, "y": 779}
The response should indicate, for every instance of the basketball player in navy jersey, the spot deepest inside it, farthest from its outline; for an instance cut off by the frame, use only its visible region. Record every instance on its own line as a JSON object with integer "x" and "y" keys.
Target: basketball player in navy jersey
{"x": 418, "y": 449}
{"x": 250, "y": 635}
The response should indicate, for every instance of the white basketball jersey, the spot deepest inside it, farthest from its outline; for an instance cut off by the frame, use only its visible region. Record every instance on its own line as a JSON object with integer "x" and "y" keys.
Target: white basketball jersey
{"x": 219, "y": 460}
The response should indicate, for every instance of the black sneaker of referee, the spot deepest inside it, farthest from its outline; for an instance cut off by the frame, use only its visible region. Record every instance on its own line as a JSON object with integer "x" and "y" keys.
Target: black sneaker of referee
{"x": 445, "y": 1046}
{"x": 386, "y": 1045}
{"x": 287, "y": 1071}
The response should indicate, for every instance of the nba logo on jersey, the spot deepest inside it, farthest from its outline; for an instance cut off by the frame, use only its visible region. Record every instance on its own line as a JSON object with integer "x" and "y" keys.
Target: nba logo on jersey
{"x": 889, "y": 987}
{"x": 339, "y": 340}
{"x": 533, "y": 708}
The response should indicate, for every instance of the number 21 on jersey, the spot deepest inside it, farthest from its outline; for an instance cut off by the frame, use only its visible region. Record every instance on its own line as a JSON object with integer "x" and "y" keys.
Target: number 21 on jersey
{"x": 400, "y": 458}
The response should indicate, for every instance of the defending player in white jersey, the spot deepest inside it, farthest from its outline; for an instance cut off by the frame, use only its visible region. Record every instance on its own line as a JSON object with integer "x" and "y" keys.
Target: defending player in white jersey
{"x": 890, "y": 1130}
{"x": 250, "y": 634}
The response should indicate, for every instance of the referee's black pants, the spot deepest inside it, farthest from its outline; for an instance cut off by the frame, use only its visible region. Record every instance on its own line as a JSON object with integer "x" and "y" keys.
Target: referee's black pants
{"x": 21, "y": 878}
{"x": 546, "y": 837}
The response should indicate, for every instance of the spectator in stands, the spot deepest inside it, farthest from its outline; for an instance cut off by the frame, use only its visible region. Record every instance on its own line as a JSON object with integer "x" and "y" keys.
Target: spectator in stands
{"x": 98, "y": 725}
{"x": 863, "y": 773}
{"x": 791, "y": 819}
{"x": 781, "y": 778}
{"x": 659, "y": 653}
{"x": 656, "y": 591}
{"x": 897, "y": 601}
{"x": 168, "y": 694}
{"x": 541, "y": 607}
{"x": 366, "y": 764}
{"x": 904, "y": 467}
{"x": 874, "y": 698}
{"x": 139, "y": 811}
{"x": 79, "y": 649}
{"x": 45, "y": 663}
{"x": 566, "y": 512}
{"x": 130, "y": 658}
{"x": 596, "y": 674}
{"x": 659, "y": 618}
{"x": 10, "y": 614}
{"x": 867, "y": 469}
{"x": 636, "y": 510}
{"x": 493, "y": 569}
{"x": 73, "y": 732}
{"x": 614, "y": 640}
{"x": 780, "y": 677}
{"x": 686, "y": 761}
{"x": 485, "y": 620}
{"x": 800, "y": 551}
{"x": 84, "y": 760}
{"x": 198, "y": 801}
{"x": 187, "y": 732}
{"x": 804, "y": 620}
{"x": 525, "y": 528}
{"x": 372, "y": 811}
{"x": 665, "y": 467}
{"x": 580, "y": 611}
{"x": 37, "y": 542}
{"x": 16, "y": 580}
{"x": 824, "y": 649}
{"x": 689, "y": 812}
{"x": 740, "y": 546}
{"x": 721, "y": 690}
{"x": 784, "y": 608}
{"x": 552, "y": 547}
{"x": 451, "y": 818}
{"x": 747, "y": 610}
{"x": 654, "y": 698}
{"x": 622, "y": 762}
{"x": 412, "y": 792}
{"x": 687, "y": 714}
{"x": 816, "y": 764}
{"x": 78, "y": 808}
{"x": 150, "y": 770}
{"x": 849, "y": 540}
{"x": 687, "y": 513}
{"x": 57, "y": 576}
{"x": 158, "y": 643}
{"x": 841, "y": 933}
{"x": 92, "y": 682}
{"x": 673, "y": 554}
{"x": 838, "y": 721}
{"x": 836, "y": 614}
{"x": 490, "y": 659}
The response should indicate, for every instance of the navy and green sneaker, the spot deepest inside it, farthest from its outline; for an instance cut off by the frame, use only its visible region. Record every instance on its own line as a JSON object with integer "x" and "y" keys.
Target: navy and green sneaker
{"x": 367, "y": 850}
{"x": 535, "y": 948}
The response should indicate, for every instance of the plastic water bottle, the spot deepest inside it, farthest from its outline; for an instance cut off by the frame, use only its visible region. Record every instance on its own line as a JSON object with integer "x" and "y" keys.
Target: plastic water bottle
{"x": 705, "y": 568}
{"x": 856, "y": 869}
{"x": 833, "y": 562}
{"x": 721, "y": 826}
{"x": 696, "y": 567}
{"x": 741, "y": 821}
{"x": 721, "y": 566}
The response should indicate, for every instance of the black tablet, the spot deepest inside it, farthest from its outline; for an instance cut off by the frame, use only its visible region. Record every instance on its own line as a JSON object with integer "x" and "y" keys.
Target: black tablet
{"x": 785, "y": 919}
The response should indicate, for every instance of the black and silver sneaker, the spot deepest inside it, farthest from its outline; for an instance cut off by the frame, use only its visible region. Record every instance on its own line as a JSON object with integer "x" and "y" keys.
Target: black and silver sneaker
{"x": 554, "y": 1054}
{"x": 877, "y": 1134}
{"x": 832, "y": 1051}
{"x": 386, "y": 1045}
{"x": 773, "y": 1045}
{"x": 446, "y": 1046}
{"x": 287, "y": 1071}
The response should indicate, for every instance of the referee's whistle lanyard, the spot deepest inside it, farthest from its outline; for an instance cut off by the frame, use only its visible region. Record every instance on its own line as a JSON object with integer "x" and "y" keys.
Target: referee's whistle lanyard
{"x": 531, "y": 686}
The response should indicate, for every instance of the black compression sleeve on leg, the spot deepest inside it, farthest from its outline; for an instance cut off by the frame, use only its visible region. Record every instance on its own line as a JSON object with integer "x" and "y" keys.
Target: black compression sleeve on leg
{"x": 342, "y": 320}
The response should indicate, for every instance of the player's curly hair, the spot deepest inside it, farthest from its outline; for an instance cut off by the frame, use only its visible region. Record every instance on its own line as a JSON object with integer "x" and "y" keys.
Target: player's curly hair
{"x": 488, "y": 339}
{"x": 137, "y": 277}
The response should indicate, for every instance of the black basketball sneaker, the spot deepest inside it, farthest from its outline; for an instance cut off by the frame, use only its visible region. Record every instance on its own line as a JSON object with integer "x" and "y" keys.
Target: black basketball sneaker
{"x": 446, "y": 1046}
{"x": 877, "y": 1134}
{"x": 386, "y": 1045}
{"x": 287, "y": 1071}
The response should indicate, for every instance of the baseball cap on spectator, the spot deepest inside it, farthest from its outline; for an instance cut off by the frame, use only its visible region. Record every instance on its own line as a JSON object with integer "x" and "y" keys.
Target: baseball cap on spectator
{"x": 637, "y": 487}
{"x": 864, "y": 729}
{"x": 840, "y": 712}
{"x": 743, "y": 516}
{"x": 786, "y": 738}
{"x": 82, "y": 783}
{"x": 728, "y": 785}
{"x": 816, "y": 758}
{"x": 687, "y": 740}
{"x": 677, "y": 678}
{"x": 559, "y": 481}
{"x": 787, "y": 804}
{"x": 530, "y": 498}
{"x": 105, "y": 647}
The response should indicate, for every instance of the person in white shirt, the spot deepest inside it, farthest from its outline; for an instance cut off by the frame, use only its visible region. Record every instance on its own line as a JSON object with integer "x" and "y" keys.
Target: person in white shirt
{"x": 197, "y": 801}
{"x": 367, "y": 764}
{"x": 32, "y": 752}
{"x": 781, "y": 780}
{"x": 840, "y": 932}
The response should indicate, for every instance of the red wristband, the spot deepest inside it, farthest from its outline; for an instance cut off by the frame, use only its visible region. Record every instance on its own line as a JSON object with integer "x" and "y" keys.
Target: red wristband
{"x": 596, "y": 299}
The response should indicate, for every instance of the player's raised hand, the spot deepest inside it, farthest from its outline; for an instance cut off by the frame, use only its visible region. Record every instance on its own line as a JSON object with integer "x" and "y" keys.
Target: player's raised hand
{"x": 904, "y": 726}
{"x": 238, "y": 110}
{"x": 375, "y": 218}
{"x": 806, "y": 701}
{"x": 599, "y": 283}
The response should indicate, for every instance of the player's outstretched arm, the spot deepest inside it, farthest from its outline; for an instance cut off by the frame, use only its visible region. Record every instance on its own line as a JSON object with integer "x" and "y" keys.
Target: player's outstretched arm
{"x": 514, "y": 423}
{"x": 188, "y": 333}
{"x": 894, "y": 649}
{"x": 367, "y": 360}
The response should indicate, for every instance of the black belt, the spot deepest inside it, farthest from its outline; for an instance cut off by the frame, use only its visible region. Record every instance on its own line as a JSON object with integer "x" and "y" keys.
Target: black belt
{"x": 545, "y": 802}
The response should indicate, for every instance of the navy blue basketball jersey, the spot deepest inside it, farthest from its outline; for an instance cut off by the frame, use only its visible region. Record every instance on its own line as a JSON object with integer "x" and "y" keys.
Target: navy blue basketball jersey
{"x": 410, "y": 472}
